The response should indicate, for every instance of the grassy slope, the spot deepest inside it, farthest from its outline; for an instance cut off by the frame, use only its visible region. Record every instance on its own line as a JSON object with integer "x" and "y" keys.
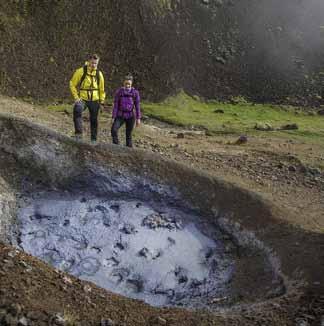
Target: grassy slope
{"x": 237, "y": 119}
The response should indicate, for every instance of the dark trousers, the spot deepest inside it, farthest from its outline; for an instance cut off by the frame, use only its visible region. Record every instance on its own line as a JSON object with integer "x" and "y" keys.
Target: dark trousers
{"x": 118, "y": 122}
{"x": 93, "y": 107}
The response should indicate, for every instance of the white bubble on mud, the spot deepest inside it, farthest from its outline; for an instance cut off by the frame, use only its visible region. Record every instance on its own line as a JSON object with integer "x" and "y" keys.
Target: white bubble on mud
{"x": 143, "y": 250}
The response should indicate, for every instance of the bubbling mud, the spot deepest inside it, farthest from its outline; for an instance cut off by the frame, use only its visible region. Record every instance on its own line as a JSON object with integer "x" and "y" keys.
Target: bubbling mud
{"x": 163, "y": 255}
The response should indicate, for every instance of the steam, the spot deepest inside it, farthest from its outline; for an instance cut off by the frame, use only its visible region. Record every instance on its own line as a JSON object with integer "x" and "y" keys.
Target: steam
{"x": 289, "y": 34}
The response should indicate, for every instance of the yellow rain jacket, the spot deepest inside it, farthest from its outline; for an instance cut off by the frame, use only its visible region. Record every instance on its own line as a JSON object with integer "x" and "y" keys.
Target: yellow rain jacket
{"x": 89, "y": 90}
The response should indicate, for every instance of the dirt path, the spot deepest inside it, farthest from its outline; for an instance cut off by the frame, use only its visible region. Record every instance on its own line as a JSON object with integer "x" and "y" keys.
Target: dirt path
{"x": 273, "y": 168}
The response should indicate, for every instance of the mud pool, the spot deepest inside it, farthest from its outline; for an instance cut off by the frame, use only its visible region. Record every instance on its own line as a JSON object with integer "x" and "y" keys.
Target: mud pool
{"x": 144, "y": 250}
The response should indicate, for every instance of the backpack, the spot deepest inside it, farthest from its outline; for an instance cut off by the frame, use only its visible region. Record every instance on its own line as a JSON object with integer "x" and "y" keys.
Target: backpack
{"x": 85, "y": 73}
{"x": 131, "y": 94}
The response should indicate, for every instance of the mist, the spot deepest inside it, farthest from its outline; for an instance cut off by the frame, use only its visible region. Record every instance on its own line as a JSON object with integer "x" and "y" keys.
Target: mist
{"x": 289, "y": 34}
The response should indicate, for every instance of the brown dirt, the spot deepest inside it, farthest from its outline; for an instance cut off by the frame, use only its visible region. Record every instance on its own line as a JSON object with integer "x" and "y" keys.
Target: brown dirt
{"x": 277, "y": 169}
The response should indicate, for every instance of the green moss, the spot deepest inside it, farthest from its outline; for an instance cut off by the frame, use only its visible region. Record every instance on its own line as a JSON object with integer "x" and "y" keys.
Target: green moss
{"x": 239, "y": 118}
{"x": 60, "y": 108}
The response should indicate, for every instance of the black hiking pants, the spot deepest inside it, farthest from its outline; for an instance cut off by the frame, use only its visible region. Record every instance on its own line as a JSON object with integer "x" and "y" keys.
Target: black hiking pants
{"x": 118, "y": 122}
{"x": 94, "y": 107}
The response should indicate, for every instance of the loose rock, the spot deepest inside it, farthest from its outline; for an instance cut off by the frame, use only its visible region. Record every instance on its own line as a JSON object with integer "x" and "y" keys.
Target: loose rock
{"x": 241, "y": 140}
{"x": 263, "y": 127}
{"x": 292, "y": 168}
{"x": 23, "y": 321}
{"x": 218, "y": 111}
{"x": 291, "y": 126}
{"x": 107, "y": 322}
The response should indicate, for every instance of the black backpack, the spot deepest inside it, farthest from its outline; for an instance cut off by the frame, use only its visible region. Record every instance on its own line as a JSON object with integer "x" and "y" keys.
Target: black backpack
{"x": 85, "y": 73}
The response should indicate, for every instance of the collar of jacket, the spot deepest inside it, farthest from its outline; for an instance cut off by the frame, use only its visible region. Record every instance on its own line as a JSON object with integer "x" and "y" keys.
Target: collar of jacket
{"x": 92, "y": 72}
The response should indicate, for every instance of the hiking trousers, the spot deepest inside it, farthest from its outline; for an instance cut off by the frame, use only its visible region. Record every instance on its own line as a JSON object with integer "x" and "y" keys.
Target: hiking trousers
{"x": 118, "y": 122}
{"x": 94, "y": 107}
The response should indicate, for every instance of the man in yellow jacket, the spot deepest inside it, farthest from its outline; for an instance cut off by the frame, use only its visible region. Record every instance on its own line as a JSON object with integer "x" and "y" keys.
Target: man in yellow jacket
{"x": 88, "y": 90}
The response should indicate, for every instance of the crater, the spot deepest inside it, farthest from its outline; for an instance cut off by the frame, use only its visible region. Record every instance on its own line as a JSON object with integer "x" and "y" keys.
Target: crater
{"x": 135, "y": 224}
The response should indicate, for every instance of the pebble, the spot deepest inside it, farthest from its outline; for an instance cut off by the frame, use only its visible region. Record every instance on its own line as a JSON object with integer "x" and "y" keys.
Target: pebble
{"x": 161, "y": 321}
{"x": 241, "y": 140}
{"x": 302, "y": 322}
{"x": 67, "y": 280}
{"x": 218, "y": 300}
{"x": 292, "y": 168}
{"x": 107, "y": 322}
{"x": 23, "y": 321}
{"x": 87, "y": 288}
{"x": 12, "y": 254}
{"x": 59, "y": 320}
{"x": 25, "y": 265}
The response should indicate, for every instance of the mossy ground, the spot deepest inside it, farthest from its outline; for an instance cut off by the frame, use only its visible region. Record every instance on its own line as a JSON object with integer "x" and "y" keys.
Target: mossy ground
{"x": 237, "y": 119}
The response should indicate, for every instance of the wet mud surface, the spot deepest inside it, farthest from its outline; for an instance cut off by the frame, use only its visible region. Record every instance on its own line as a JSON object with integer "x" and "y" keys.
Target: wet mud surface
{"x": 162, "y": 255}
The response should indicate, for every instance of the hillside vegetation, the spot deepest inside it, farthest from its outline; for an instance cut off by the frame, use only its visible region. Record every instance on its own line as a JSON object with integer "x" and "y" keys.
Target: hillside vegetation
{"x": 266, "y": 51}
{"x": 239, "y": 118}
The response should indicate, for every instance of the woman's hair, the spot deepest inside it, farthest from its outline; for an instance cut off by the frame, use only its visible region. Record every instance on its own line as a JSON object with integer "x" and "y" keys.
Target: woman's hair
{"x": 129, "y": 77}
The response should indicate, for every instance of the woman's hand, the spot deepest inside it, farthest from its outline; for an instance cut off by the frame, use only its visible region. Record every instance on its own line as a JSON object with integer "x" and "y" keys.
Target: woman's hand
{"x": 138, "y": 122}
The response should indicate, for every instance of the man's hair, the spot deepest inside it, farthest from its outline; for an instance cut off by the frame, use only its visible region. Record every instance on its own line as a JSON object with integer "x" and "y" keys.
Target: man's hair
{"x": 94, "y": 56}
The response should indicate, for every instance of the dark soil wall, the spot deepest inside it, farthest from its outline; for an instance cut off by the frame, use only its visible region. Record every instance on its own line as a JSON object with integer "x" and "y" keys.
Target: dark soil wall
{"x": 216, "y": 48}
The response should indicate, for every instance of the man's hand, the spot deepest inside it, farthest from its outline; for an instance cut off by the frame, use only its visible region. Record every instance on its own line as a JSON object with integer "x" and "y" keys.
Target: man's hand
{"x": 138, "y": 122}
{"x": 78, "y": 101}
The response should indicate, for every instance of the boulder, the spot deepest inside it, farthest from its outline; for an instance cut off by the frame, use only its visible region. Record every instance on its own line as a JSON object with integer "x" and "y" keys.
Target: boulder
{"x": 264, "y": 127}
{"x": 289, "y": 126}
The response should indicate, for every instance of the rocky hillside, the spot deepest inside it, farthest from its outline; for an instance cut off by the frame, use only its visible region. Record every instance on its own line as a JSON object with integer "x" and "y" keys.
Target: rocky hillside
{"x": 212, "y": 48}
